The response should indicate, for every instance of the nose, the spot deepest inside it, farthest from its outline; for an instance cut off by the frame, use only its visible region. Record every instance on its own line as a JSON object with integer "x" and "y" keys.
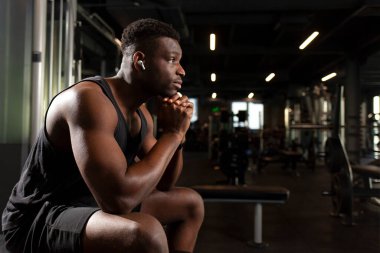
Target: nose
{"x": 180, "y": 70}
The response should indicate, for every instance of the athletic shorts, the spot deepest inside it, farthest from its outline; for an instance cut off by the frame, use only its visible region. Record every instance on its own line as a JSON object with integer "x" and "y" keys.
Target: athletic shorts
{"x": 56, "y": 228}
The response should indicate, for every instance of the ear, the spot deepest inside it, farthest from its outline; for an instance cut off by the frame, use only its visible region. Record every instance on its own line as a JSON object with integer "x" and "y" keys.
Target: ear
{"x": 137, "y": 58}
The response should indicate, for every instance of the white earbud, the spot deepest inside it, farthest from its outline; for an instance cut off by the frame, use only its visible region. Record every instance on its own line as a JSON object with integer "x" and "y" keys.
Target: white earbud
{"x": 141, "y": 63}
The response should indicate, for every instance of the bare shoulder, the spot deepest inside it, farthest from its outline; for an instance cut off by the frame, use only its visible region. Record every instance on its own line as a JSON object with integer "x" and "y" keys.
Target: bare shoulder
{"x": 87, "y": 101}
{"x": 82, "y": 106}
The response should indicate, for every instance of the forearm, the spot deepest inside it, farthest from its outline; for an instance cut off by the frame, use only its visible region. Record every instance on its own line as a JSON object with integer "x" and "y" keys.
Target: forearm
{"x": 144, "y": 176}
{"x": 172, "y": 172}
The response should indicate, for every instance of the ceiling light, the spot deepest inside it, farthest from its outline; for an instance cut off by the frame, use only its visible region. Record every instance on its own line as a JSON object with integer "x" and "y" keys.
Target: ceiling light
{"x": 269, "y": 77}
{"x": 329, "y": 76}
{"x": 214, "y": 95}
{"x": 212, "y": 41}
{"x": 213, "y": 77}
{"x": 308, "y": 40}
{"x": 250, "y": 95}
{"x": 376, "y": 103}
{"x": 118, "y": 42}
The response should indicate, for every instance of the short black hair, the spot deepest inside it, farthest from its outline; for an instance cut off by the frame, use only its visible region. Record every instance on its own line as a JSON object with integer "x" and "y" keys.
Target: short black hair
{"x": 146, "y": 29}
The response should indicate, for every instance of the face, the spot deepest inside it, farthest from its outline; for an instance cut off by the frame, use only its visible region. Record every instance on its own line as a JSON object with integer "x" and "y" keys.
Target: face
{"x": 163, "y": 68}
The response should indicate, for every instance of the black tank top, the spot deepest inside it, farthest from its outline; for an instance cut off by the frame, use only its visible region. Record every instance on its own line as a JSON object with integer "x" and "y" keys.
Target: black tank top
{"x": 53, "y": 176}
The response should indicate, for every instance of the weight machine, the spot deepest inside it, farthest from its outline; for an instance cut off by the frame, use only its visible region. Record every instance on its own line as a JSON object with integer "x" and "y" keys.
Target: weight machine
{"x": 348, "y": 180}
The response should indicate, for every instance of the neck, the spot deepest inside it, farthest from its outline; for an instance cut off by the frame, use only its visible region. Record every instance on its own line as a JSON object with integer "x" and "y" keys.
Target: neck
{"x": 128, "y": 94}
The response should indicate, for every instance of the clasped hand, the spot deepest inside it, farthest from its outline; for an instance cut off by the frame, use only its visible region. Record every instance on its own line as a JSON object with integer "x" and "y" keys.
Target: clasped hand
{"x": 175, "y": 113}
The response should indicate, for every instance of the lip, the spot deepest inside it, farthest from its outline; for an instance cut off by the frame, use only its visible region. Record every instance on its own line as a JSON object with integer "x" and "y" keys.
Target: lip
{"x": 178, "y": 84}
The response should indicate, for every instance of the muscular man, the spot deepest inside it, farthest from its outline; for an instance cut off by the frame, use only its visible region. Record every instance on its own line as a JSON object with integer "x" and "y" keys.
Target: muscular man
{"x": 81, "y": 186}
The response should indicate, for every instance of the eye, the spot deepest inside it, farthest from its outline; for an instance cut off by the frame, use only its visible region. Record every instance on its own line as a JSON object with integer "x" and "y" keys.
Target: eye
{"x": 172, "y": 59}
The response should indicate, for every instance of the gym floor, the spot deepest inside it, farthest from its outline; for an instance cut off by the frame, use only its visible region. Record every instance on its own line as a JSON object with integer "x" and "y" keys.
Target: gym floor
{"x": 303, "y": 224}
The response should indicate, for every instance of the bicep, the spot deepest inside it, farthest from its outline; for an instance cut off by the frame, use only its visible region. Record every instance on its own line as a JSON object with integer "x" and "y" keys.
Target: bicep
{"x": 99, "y": 158}
{"x": 97, "y": 154}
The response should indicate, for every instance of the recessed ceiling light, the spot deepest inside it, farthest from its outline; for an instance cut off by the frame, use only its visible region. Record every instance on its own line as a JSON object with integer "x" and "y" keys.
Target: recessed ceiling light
{"x": 270, "y": 77}
{"x": 212, "y": 41}
{"x": 213, "y": 77}
{"x": 329, "y": 76}
{"x": 308, "y": 40}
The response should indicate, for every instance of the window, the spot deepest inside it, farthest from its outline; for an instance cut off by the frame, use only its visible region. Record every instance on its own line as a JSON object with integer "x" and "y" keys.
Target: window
{"x": 195, "y": 111}
{"x": 255, "y": 114}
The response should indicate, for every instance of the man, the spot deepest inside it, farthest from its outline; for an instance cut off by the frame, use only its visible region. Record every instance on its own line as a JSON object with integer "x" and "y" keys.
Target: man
{"x": 81, "y": 186}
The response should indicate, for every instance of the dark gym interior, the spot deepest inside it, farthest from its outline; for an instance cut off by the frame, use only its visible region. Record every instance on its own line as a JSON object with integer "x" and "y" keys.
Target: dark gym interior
{"x": 284, "y": 143}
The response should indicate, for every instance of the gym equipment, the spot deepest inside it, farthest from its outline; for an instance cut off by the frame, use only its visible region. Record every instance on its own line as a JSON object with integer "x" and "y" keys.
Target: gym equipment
{"x": 310, "y": 126}
{"x": 257, "y": 195}
{"x": 234, "y": 163}
{"x": 233, "y": 159}
{"x": 274, "y": 151}
{"x": 348, "y": 181}
{"x": 312, "y": 133}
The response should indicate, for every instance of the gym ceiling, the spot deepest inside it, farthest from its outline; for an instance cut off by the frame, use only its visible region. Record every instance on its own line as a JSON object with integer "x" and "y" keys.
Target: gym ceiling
{"x": 256, "y": 38}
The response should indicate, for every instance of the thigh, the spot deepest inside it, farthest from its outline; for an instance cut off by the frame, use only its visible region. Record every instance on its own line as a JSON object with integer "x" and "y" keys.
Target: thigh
{"x": 133, "y": 232}
{"x": 174, "y": 205}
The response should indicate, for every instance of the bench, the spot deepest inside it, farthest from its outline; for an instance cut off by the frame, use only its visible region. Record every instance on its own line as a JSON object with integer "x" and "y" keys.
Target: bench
{"x": 367, "y": 173}
{"x": 258, "y": 195}
{"x": 371, "y": 171}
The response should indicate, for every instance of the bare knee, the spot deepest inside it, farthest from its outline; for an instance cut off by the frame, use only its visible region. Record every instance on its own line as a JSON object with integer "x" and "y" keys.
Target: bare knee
{"x": 134, "y": 232}
{"x": 194, "y": 204}
{"x": 150, "y": 235}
